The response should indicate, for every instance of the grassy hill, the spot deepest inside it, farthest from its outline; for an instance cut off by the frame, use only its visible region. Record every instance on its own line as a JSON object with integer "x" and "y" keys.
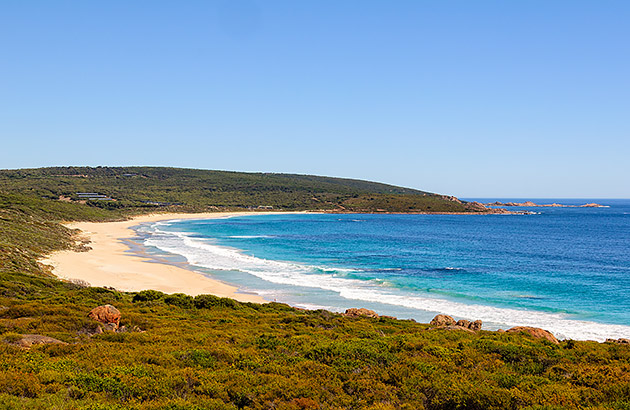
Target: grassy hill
{"x": 191, "y": 189}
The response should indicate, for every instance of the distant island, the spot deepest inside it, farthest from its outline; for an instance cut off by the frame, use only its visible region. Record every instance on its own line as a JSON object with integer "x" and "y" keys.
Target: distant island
{"x": 554, "y": 205}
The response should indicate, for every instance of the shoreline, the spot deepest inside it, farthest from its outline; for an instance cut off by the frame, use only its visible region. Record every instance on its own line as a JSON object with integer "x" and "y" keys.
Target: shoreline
{"x": 115, "y": 261}
{"x": 110, "y": 263}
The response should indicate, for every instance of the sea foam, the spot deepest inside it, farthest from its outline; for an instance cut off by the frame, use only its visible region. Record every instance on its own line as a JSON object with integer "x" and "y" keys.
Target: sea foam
{"x": 203, "y": 253}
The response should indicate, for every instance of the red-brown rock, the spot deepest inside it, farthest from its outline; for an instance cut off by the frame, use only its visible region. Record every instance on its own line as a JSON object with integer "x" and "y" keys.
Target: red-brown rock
{"x": 106, "y": 314}
{"x": 463, "y": 323}
{"x": 443, "y": 320}
{"x": 534, "y": 332}
{"x": 362, "y": 312}
{"x": 475, "y": 326}
{"x": 621, "y": 341}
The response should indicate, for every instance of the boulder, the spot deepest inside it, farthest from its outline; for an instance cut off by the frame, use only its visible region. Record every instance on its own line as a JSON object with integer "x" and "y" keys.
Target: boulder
{"x": 106, "y": 314}
{"x": 534, "y": 332}
{"x": 443, "y": 320}
{"x": 621, "y": 341}
{"x": 30, "y": 340}
{"x": 463, "y": 323}
{"x": 362, "y": 312}
{"x": 475, "y": 326}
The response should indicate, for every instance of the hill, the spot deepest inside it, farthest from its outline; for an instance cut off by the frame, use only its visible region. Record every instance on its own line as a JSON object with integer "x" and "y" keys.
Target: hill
{"x": 141, "y": 188}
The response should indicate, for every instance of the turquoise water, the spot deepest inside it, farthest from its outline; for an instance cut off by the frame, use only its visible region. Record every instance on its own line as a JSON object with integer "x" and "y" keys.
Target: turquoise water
{"x": 564, "y": 269}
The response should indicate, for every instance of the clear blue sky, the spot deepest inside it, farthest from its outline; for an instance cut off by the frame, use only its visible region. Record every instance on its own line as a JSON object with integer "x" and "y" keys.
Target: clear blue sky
{"x": 471, "y": 98}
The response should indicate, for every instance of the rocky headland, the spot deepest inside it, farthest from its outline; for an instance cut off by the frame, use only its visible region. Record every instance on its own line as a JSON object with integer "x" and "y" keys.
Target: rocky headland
{"x": 553, "y": 205}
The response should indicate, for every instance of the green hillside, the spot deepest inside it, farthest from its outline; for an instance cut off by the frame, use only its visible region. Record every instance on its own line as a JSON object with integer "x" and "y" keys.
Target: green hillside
{"x": 199, "y": 190}
{"x": 185, "y": 353}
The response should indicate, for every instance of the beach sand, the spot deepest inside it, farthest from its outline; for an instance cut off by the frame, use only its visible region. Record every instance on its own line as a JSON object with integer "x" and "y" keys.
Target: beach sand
{"x": 109, "y": 262}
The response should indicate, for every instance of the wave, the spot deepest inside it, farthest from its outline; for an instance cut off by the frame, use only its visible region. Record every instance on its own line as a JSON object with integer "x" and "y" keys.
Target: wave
{"x": 203, "y": 253}
{"x": 249, "y": 236}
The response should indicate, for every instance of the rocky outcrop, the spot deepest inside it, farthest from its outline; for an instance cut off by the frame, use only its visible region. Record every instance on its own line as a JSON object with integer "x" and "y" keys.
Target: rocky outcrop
{"x": 475, "y": 326}
{"x": 448, "y": 323}
{"x": 451, "y": 198}
{"x": 29, "y": 340}
{"x": 108, "y": 315}
{"x": 621, "y": 341}
{"x": 443, "y": 320}
{"x": 476, "y": 206}
{"x": 463, "y": 323}
{"x": 534, "y": 332}
{"x": 554, "y": 205}
{"x": 362, "y": 312}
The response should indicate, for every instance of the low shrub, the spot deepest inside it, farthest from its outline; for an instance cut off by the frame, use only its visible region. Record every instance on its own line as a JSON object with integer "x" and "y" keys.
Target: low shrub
{"x": 147, "y": 296}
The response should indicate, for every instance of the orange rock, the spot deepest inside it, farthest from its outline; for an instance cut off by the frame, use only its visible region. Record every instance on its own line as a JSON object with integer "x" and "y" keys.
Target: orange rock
{"x": 475, "y": 326}
{"x": 443, "y": 320}
{"x": 354, "y": 312}
{"x": 534, "y": 332}
{"x": 106, "y": 314}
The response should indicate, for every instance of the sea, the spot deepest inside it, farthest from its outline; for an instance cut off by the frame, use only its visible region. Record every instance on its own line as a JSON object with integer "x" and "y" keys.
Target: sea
{"x": 566, "y": 270}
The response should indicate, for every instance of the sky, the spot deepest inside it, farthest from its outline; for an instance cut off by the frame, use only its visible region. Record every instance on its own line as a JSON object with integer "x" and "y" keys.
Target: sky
{"x": 468, "y": 98}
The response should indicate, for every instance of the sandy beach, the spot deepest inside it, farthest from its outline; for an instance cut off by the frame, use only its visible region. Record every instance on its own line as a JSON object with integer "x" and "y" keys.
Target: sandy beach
{"x": 109, "y": 262}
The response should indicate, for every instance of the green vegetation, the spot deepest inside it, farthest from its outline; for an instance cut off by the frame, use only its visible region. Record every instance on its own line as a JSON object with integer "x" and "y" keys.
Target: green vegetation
{"x": 212, "y": 353}
{"x": 215, "y": 353}
{"x": 145, "y": 188}
{"x": 29, "y": 229}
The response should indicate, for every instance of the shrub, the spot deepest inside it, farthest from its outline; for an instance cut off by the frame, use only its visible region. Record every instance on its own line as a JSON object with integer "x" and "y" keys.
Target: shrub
{"x": 197, "y": 358}
{"x": 179, "y": 299}
{"x": 147, "y": 296}
{"x": 208, "y": 301}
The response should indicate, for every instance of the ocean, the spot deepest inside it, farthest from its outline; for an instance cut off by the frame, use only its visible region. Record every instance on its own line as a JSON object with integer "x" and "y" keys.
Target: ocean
{"x": 566, "y": 270}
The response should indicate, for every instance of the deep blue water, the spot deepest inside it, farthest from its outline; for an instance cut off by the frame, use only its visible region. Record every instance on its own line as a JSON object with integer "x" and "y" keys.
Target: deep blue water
{"x": 564, "y": 269}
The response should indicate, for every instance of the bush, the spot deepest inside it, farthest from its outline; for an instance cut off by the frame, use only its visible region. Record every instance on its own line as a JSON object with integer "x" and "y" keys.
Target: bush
{"x": 197, "y": 358}
{"x": 147, "y": 296}
{"x": 208, "y": 301}
{"x": 179, "y": 299}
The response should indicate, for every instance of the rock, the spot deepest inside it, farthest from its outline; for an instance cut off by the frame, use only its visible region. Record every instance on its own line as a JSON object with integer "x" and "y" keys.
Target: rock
{"x": 91, "y": 329}
{"x": 30, "y": 340}
{"x": 443, "y": 320}
{"x": 362, "y": 312}
{"x": 476, "y": 206}
{"x": 475, "y": 326}
{"x": 619, "y": 341}
{"x": 534, "y": 332}
{"x": 464, "y": 323}
{"x": 106, "y": 314}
